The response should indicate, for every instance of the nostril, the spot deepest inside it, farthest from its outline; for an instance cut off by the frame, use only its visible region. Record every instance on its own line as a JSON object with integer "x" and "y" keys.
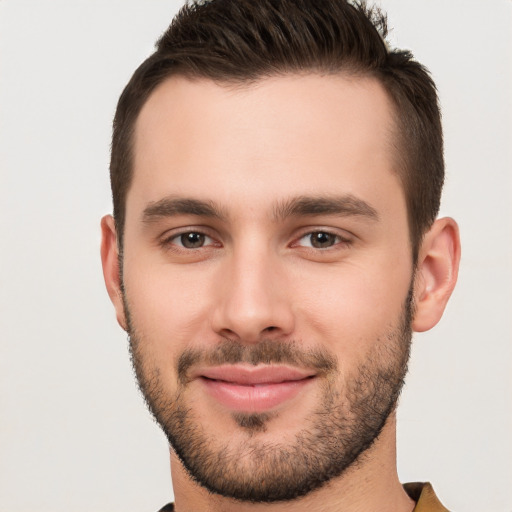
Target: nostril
{"x": 271, "y": 328}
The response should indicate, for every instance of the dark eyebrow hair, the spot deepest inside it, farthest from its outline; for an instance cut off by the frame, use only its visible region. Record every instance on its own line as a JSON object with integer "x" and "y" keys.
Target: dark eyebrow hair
{"x": 171, "y": 206}
{"x": 347, "y": 205}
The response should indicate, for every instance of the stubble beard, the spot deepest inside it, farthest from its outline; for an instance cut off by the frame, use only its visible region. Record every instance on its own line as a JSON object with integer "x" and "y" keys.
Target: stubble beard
{"x": 335, "y": 437}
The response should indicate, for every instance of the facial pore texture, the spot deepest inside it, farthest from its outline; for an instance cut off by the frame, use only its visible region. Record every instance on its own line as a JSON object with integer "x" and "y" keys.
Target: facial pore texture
{"x": 353, "y": 409}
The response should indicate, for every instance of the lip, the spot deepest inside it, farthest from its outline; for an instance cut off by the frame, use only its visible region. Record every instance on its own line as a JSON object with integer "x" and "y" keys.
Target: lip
{"x": 253, "y": 389}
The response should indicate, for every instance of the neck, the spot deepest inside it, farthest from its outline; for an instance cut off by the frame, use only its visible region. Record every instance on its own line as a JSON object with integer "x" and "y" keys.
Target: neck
{"x": 371, "y": 485}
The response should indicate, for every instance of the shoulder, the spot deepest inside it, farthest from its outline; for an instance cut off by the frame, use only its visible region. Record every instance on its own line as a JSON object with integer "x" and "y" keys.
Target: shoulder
{"x": 167, "y": 508}
{"x": 425, "y": 497}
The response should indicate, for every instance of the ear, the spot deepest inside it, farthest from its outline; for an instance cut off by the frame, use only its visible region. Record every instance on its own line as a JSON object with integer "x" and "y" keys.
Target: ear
{"x": 111, "y": 271}
{"x": 436, "y": 273}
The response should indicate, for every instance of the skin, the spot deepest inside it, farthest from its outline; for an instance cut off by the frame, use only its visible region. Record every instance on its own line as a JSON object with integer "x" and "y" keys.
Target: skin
{"x": 257, "y": 276}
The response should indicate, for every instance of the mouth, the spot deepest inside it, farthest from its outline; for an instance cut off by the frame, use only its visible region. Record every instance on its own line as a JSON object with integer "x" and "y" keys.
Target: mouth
{"x": 253, "y": 389}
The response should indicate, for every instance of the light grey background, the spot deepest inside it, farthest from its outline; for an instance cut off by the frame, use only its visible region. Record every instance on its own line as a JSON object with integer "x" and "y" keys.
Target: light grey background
{"x": 74, "y": 433}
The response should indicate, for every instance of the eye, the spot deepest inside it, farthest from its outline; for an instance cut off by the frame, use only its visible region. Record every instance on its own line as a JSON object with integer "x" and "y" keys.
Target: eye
{"x": 191, "y": 240}
{"x": 320, "y": 240}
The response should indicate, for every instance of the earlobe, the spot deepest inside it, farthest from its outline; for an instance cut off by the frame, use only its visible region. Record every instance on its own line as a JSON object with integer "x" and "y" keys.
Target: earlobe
{"x": 436, "y": 273}
{"x": 111, "y": 271}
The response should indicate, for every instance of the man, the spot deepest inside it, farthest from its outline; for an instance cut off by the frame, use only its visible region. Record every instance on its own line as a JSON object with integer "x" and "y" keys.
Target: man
{"x": 276, "y": 174}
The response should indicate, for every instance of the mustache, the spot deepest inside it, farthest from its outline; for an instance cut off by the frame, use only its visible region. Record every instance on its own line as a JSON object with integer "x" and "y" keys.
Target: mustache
{"x": 264, "y": 352}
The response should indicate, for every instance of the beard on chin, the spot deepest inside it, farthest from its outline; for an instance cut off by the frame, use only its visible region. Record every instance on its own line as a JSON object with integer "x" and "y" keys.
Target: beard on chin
{"x": 345, "y": 422}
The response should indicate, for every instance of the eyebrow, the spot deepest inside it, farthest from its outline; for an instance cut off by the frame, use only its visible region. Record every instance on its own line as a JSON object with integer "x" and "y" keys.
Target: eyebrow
{"x": 172, "y": 206}
{"x": 346, "y": 205}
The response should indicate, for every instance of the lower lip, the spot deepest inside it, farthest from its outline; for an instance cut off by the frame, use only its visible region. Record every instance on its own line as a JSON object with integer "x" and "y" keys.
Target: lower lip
{"x": 255, "y": 398}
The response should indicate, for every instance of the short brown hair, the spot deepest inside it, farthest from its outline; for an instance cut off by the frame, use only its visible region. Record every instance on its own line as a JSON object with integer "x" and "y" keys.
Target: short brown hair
{"x": 240, "y": 41}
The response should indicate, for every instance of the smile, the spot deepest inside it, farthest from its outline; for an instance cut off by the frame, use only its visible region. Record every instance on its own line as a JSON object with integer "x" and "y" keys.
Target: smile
{"x": 254, "y": 389}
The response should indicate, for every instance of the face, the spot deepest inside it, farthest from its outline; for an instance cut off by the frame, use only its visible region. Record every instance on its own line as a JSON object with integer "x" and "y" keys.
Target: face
{"x": 267, "y": 277}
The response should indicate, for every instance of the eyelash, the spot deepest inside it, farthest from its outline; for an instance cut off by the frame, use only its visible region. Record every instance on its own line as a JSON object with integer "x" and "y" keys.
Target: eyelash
{"x": 338, "y": 240}
{"x": 170, "y": 241}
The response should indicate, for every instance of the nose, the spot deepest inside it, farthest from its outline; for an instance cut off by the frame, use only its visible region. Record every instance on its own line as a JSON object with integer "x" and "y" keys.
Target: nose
{"x": 253, "y": 298}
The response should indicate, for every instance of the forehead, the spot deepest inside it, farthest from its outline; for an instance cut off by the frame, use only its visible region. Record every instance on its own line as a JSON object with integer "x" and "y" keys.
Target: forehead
{"x": 283, "y": 135}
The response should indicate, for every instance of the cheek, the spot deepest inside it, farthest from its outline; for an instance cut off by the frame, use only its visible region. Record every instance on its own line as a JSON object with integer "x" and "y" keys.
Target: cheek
{"x": 350, "y": 309}
{"x": 168, "y": 308}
